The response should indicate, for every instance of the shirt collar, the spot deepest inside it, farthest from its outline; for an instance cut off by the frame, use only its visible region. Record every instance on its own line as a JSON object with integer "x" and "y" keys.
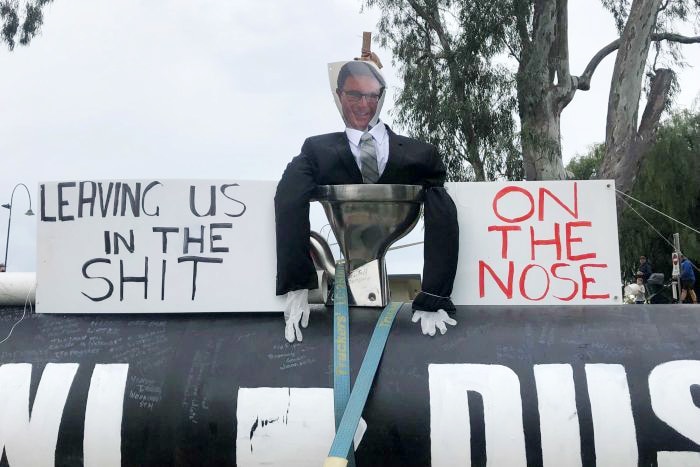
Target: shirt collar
{"x": 378, "y": 132}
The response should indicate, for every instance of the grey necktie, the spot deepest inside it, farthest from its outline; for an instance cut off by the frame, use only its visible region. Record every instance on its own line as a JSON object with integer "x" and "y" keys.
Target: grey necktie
{"x": 368, "y": 159}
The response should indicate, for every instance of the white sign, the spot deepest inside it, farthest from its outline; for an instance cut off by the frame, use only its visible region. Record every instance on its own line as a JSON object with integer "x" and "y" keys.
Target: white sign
{"x": 145, "y": 246}
{"x": 150, "y": 246}
{"x": 537, "y": 243}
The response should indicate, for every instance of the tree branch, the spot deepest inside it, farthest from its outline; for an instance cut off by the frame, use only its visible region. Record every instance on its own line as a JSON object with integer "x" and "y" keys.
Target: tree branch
{"x": 521, "y": 26}
{"x": 584, "y": 81}
{"x": 566, "y": 84}
{"x": 434, "y": 24}
{"x": 423, "y": 32}
{"x": 656, "y": 102}
{"x": 625, "y": 169}
{"x": 539, "y": 64}
{"x": 512, "y": 51}
{"x": 672, "y": 37}
{"x": 563, "y": 72}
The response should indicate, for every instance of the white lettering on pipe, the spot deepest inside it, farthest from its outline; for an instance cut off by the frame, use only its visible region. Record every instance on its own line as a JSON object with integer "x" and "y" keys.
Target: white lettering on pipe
{"x": 449, "y": 414}
{"x": 103, "y": 416}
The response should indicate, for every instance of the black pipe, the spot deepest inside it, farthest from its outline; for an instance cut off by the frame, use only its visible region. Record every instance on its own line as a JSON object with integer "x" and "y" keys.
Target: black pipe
{"x": 186, "y": 373}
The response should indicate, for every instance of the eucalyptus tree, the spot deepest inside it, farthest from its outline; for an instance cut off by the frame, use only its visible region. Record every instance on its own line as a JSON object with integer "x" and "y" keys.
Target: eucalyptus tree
{"x": 534, "y": 33}
{"x": 456, "y": 93}
{"x": 20, "y": 22}
{"x": 641, "y": 24}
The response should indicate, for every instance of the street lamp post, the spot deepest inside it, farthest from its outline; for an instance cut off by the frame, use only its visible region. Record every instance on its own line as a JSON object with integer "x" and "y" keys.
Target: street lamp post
{"x": 9, "y": 218}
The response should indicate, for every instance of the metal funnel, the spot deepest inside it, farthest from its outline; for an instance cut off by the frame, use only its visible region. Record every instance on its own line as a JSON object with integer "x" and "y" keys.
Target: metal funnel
{"x": 366, "y": 219}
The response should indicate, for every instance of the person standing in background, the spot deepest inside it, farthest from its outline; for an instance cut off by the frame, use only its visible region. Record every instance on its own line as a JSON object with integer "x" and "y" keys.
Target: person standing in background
{"x": 687, "y": 280}
{"x": 640, "y": 296}
{"x": 645, "y": 268}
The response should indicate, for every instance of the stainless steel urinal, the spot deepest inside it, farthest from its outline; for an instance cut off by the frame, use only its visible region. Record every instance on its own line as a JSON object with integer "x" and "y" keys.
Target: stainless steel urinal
{"x": 366, "y": 220}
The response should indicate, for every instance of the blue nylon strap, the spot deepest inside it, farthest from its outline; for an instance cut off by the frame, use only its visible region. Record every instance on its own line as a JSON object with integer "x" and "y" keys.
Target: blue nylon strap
{"x": 345, "y": 432}
{"x": 341, "y": 352}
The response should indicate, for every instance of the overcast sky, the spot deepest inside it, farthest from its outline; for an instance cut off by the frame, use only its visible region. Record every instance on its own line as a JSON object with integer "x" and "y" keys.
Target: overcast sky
{"x": 208, "y": 89}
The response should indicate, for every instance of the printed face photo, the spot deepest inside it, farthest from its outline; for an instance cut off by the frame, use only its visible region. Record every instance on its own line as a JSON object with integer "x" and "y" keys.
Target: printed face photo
{"x": 359, "y": 92}
{"x": 358, "y": 99}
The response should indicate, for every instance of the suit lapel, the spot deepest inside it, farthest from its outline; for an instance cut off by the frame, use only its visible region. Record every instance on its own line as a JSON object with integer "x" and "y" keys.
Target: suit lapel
{"x": 342, "y": 149}
{"x": 396, "y": 151}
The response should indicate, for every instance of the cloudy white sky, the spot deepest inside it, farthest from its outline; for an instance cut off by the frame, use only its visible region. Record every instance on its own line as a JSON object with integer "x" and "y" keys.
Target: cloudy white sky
{"x": 207, "y": 89}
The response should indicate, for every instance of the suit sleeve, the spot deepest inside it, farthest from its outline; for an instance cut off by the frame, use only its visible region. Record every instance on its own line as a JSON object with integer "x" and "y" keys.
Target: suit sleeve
{"x": 295, "y": 268}
{"x": 441, "y": 247}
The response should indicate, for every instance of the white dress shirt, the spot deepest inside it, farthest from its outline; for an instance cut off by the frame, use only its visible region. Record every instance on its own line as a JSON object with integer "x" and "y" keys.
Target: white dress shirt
{"x": 381, "y": 144}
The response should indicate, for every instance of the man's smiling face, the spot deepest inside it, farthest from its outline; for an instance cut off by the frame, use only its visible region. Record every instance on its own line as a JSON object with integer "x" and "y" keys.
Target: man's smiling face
{"x": 357, "y": 113}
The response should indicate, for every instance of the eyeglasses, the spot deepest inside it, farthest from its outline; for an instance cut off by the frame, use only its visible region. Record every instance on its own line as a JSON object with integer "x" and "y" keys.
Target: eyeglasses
{"x": 356, "y": 96}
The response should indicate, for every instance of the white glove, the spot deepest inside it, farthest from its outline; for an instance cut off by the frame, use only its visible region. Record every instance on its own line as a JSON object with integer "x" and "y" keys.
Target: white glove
{"x": 429, "y": 320}
{"x": 296, "y": 310}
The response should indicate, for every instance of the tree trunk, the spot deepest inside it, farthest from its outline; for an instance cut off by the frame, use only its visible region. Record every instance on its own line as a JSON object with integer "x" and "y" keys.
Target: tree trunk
{"x": 477, "y": 164}
{"x": 541, "y": 101}
{"x": 541, "y": 140}
{"x": 630, "y": 163}
{"x": 625, "y": 144}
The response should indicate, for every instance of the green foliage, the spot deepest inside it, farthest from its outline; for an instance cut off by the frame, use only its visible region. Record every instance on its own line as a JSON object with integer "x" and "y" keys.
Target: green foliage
{"x": 585, "y": 167}
{"x": 620, "y": 11}
{"x": 11, "y": 31}
{"x": 455, "y": 92}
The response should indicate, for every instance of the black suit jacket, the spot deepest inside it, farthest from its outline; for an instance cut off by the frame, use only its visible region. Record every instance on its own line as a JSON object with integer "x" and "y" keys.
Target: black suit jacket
{"x": 327, "y": 160}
